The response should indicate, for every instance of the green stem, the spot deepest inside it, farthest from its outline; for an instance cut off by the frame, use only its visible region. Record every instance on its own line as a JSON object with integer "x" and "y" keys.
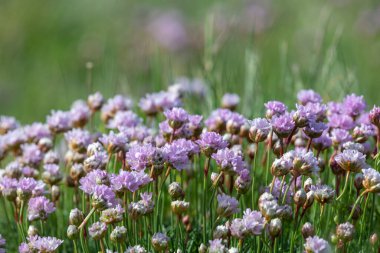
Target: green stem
{"x": 87, "y": 218}
{"x": 345, "y": 185}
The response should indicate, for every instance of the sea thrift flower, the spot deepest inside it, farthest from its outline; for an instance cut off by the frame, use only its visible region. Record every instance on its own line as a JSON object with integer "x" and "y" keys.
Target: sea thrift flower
{"x": 79, "y": 113}
{"x": 274, "y": 108}
{"x": 179, "y": 206}
{"x": 7, "y": 124}
{"x": 275, "y": 227}
{"x": 316, "y": 245}
{"x": 228, "y": 161}
{"x": 39, "y": 208}
{"x": 97, "y": 230}
{"x": 140, "y": 156}
{"x": 179, "y": 152}
{"x": 351, "y": 160}
{"x": 8, "y": 188}
{"x": 318, "y": 110}
{"x": 114, "y": 142}
{"x": 41, "y": 244}
{"x": 362, "y": 132}
{"x": 314, "y": 129}
{"x": 13, "y": 139}
{"x": 136, "y": 249}
{"x": 307, "y": 230}
{"x": 210, "y": 142}
{"x": 342, "y": 121}
{"x": 118, "y": 234}
{"x": 230, "y": 101}
{"x": 25, "y": 188}
{"x": 243, "y": 181}
{"x": 323, "y": 193}
{"x": 371, "y": 181}
{"x": 259, "y": 130}
{"x": 112, "y": 215}
{"x": 282, "y": 125}
{"x": 340, "y": 136}
{"x": 322, "y": 142}
{"x": 354, "y": 105}
{"x": 59, "y": 121}
{"x": 345, "y": 232}
{"x": 92, "y": 179}
{"x": 160, "y": 241}
{"x": 95, "y": 101}
{"x": 129, "y": 181}
{"x": 124, "y": 119}
{"x": 218, "y": 119}
{"x": 175, "y": 191}
{"x": 36, "y": 131}
{"x": 113, "y": 105}
{"x": 238, "y": 228}
{"x": 97, "y": 161}
{"x": 302, "y": 116}
{"x": 153, "y": 103}
{"x": 103, "y": 197}
{"x": 31, "y": 154}
{"x": 227, "y": 205}
{"x": 78, "y": 139}
{"x": 76, "y": 217}
{"x": 253, "y": 221}
{"x": 216, "y": 246}
{"x": 176, "y": 117}
{"x": 374, "y": 116}
{"x": 308, "y": 96}
{"x": 51, "y": 174}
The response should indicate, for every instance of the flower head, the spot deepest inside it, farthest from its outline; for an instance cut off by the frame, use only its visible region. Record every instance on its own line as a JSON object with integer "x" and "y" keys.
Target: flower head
{"x": 210, "y": 142}
{"x": 59, "y": 121}
{"x": 317, "y": 245}
{"x": 227, "y": 205}
{"x": 351, "y": 160}
{"x": 354, "y": 105}
{"x": 230, "y": 101}
{"x": 275, "y": 108}
{"x": 97, "y": 230}
{"x": 39, "y": 208}
{"x": 308, "y": 96}
{"x": 371, "y": 181}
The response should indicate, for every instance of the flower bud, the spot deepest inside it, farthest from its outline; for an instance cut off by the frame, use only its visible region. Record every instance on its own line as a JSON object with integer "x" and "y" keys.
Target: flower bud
{"x": 186, "y": 220}
{"x": 175, "y": 191}
{"x": 307, "y": 184}
{"x": 202, "y": 248}
{"x": 76, "y": 217}
{"x": 72, "y": 232}
{"x": 32, "y": 230}
{"x": 307, "y": 230}
{"x": 160, "y": 241}
{"x": 373, "y": 239}
{"x": 251, "y": 150}
{"x": 97, "y": 230}
{"x": 55, "y": 193}
{"x": 275, "y": 227}
{"x": 45, "y": 144}
{"x": 179, "y": 207}
{"x": 77, "y": 171}
{"x": 357, "y": 212}
{"x": 309, "y": 200}
{"x": 300, "y": 197}
{"x": 220, "y": 232}
{"x": 119, "y": 234}
{"x": 345, "y": 232}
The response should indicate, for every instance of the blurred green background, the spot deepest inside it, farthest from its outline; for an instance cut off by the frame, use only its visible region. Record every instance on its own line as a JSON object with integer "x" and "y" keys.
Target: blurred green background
{"x": 259, "y": 49}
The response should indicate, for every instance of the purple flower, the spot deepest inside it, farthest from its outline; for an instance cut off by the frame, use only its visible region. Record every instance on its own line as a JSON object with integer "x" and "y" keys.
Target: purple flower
{"x": 308, "y": 96}
{"x": 318, "y": 110}
{"x": 115, "y": 104}
{"x": 138, "y": 133}
{"x": 275, "y": 108}
{"x": 114, "y": 142}
{"x": 40, "y": 244}
{"x": 210, "y": 142}
{"x": 340, "y": 136}
{"x": 39, "y": 208}
{"x": 216, "y": 246}
{"x": 227, "y": 205}
{"x": 103, "y": 197}
{"x": 230, "y": 100}
{"x": 37, "y": 131}
{"x": 51, "y": 175}
{"x": 153, "y": 103}
{"x": 259, "y": 130}
{"x": 234, "y": 123}
{"x": 59, "y": 121}
{"x": 371, "y": 180}
{"x": 323, "y": 142}
{"x": 92, "y": 179}
{"x": 283, "y": 125}
{"x": 354, "y": 105}
{"x": 316, "y": 245}
{"x": 228, "y": 160}
{"x": 314, "y": 129}
{"x": 342, "y": 121}
{"x": 253, "y": 221}
{"x": 97, "y": 230}
{"x": 7, "y": 124}
{"x": 31, "y": 154}
{"x": 374, "y": 116}
{"x": 129, "y": 180}
{"x": 13, "y": 139}
{"x": 25, "y": 187}
{"x": 323, "y": 193}
{"x": 178, "y": 153}
{"x": 140, "y": 156}
{"x": 95, "y": 101}
{"x": 160, "y": 241}
{"x": 80, "y": 113}
{"x": 176, "y": 117}
{"x": 78, "y": 139}
{"x": 8, "y": 187}
{"x": 303, "y": 115}
{"x": 351, "y": 160}
{"x": 335, "y": 108}
{"x": 218, "y": 119}
{"x": 124, "y": 119}
{"x": 96, "y": 161}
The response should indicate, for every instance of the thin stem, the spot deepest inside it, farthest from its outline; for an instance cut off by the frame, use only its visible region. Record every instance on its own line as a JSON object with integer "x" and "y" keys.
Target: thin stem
{"x": 87, "y": 218}
{"x": 356, "y": 203}
{"x": 345, "y": 185}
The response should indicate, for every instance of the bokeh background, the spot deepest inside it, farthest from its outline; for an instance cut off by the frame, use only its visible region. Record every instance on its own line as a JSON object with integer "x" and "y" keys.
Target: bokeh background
{"x": 259, "y": 49}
